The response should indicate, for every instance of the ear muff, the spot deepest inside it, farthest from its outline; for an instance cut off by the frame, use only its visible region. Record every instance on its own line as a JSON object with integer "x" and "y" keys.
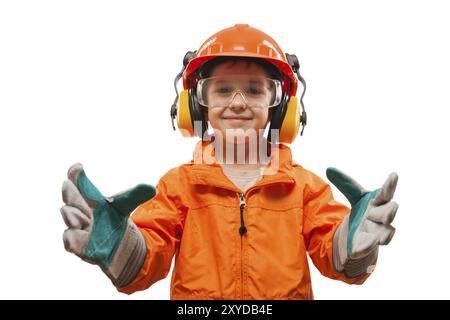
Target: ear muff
{"x": 190, "y": 112}
{"x": 291, "y": 122}
{"x": 286, "y": 118}
{"x": 197, "y": 115}
{"x": 278, "y": 117}
{"x": 184, "y": 120}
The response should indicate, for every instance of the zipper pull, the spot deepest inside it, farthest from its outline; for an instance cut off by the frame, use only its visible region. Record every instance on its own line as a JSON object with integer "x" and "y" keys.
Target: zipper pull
{"x": 242, "y": 201}
{"x": 243, "y": 228}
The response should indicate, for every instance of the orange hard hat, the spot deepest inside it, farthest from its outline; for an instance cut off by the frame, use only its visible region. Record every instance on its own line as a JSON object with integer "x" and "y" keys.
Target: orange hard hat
{"x": 241, "y": 40}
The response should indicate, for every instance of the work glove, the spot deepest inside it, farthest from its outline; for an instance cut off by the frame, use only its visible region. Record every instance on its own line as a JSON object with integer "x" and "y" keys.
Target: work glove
{"x": 99, "y": 228}
{"x": 356, "y": 241}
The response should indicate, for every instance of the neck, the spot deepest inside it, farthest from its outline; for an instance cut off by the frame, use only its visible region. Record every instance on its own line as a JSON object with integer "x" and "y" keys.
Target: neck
{"x": 249, "y": 152}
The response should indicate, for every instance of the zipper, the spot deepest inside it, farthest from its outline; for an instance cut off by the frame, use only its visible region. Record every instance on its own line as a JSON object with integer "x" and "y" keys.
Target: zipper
{"x": 242, "y": 228}
{"x": 242, "y": 232}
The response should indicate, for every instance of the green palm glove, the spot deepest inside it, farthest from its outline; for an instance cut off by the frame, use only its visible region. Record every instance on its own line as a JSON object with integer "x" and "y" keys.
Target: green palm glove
{"x": 356, "y": 241}
{"x": 99, "y": 229}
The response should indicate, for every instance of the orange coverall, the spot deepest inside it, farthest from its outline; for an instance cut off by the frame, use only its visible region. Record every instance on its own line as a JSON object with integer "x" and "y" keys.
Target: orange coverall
{"x": 196, "y": 216}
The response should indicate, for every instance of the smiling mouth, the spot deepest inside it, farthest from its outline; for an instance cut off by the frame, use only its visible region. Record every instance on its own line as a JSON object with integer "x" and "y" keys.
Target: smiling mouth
{"x": 236, "y": 118}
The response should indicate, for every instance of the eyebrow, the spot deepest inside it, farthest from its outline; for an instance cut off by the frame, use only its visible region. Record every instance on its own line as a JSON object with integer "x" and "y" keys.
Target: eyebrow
{"x": 221, "y": 81}
{"x": 253, "y": 81}
{"x": 257, "y": 81}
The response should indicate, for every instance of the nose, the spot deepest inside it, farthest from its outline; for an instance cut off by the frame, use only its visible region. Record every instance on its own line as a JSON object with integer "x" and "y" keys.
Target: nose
{"x": 238, "y": 101}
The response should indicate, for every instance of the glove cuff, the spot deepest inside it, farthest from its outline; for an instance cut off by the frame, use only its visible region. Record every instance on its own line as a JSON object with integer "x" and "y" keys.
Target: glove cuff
{"x": 351, "y": 267}
{"x": 129, "y": 257}
{"x": 355, "y": 268}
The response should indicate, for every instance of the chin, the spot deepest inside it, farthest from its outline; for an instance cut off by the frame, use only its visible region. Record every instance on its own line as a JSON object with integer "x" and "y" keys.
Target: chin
{"x": 241, "y": 136}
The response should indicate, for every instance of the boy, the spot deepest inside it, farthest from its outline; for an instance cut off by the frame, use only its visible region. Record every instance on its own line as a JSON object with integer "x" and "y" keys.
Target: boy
{"x": 241, "y": 216}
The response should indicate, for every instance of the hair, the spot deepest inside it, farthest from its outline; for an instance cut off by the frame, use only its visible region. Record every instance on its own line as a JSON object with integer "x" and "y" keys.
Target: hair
{"x": 206, "y": 69}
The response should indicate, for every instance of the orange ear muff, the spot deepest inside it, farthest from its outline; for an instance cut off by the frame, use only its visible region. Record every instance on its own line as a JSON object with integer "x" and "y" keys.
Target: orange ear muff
{"x": 184, "y": 120}
{"x": 291, "y": 122}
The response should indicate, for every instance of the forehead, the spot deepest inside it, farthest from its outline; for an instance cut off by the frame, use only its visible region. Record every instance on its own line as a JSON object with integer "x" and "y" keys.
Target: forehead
{"x": 238, "y": 67}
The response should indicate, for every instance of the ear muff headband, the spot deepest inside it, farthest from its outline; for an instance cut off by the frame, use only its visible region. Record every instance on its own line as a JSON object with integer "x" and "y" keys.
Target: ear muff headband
{"x": 173, "y": 110}
{"x": 287, "y": 117}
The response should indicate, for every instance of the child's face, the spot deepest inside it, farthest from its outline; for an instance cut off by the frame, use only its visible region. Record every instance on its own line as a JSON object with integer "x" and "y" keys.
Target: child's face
{"x": 238, "y": 114}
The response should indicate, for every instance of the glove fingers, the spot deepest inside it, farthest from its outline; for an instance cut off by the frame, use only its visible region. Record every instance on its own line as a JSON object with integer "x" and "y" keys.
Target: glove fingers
{"x": 74, "y": 218}
{"x": 75, "y": 241}
{"x": 363, "y": 243}
{"x": 384, "y": 214}
{"x": 74, "y": 171}
{"x": 72, "y": 197}
{"x": 382, "y": 232}
{"x": 388, "y": 237}
{"x": 88, "y": 190}
{"x": 387, "y": 190}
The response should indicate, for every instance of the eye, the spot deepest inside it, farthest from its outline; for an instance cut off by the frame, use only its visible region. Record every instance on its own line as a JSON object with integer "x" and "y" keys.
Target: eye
{"x": 254, "y": 90}
{"x": 224, "y": 90}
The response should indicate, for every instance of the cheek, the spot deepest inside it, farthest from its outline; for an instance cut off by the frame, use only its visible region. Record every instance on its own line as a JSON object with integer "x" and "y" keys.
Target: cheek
{"x": 261, "y": 117}
{"x": 213, "y": 115}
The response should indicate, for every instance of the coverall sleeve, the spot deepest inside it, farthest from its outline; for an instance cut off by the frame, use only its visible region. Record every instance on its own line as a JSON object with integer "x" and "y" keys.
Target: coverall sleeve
{"x": 159, "y": 220}
{"x": 322, "y": 216}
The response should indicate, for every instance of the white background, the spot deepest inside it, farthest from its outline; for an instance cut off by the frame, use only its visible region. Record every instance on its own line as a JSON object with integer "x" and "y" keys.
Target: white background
{"x": 91, "y": 82}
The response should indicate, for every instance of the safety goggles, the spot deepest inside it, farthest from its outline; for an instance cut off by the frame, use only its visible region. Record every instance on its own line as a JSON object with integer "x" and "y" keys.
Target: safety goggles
{"x": 253, "y": 91}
